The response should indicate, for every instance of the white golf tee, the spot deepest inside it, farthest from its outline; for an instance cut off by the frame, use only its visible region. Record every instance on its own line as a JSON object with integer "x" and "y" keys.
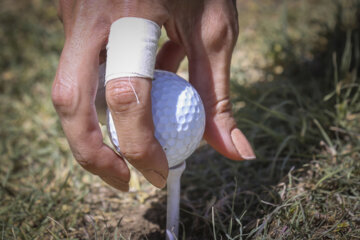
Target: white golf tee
{"x": 173, "y": 201}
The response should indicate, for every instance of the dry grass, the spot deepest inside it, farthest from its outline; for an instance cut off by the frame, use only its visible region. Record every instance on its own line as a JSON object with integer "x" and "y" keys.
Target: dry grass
{"x": 296, "y": 96}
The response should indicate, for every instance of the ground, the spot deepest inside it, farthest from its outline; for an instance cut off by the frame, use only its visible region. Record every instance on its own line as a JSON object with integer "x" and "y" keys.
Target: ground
{"x": 295, "y": 94}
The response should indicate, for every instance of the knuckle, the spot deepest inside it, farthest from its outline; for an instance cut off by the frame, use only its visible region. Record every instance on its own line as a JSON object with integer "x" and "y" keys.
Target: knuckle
{"x": 224, "y": 31}
{"x": 85, "y": 159}
{"x": 100, "y": 29}
{"x": 63, "y": 95}
{"x": 228, "y": 34}
{"x": 121, "y": 97}
{"x": 137, "y": 153}
{"x": 222, "y": 37}
{"x": 223, "y": 106}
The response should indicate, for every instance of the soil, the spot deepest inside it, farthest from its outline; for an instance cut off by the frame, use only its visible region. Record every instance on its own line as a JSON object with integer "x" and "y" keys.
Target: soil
{"x": 127, "y": 217}
{"x": 138, "y": 214}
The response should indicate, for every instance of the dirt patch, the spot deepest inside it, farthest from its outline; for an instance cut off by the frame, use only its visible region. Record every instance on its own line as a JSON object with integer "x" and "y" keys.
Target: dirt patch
{"x": 134, "y": 215}
{"x": 138, "y": 214}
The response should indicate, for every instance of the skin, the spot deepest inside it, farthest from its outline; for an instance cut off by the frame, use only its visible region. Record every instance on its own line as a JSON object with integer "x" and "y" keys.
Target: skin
{"x": 204, "y": 30}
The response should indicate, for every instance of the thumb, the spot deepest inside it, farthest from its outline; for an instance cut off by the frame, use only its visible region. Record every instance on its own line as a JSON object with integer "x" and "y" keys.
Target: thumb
{"x": 209, "y": 53}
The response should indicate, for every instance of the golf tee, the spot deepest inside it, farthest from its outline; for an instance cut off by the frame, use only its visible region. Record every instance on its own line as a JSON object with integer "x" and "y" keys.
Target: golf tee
{"x": 173, "y": 201}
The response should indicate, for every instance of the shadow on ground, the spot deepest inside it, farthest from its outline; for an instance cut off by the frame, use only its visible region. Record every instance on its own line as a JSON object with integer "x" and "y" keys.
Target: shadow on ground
{"x": 281, "y": 118}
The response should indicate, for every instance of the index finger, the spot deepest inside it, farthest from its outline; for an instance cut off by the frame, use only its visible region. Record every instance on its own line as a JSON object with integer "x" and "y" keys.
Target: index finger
{"x": 73, "y": 95}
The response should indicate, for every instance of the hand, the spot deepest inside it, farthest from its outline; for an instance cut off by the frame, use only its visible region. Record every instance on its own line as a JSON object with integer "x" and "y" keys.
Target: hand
{"x": 206, "y": 32}
{"x": 208, "y": 46}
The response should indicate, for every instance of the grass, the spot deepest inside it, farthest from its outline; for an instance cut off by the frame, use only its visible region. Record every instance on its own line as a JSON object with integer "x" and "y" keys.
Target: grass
{"x": 295, "y": 92}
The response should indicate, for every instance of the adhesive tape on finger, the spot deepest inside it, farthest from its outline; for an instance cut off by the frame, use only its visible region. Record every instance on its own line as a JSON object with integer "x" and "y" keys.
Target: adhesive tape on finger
{"x": 131, "y": 48}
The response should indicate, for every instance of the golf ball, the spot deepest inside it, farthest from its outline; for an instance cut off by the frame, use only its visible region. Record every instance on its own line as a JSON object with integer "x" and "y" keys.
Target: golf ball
{"x": 178, "y": 115}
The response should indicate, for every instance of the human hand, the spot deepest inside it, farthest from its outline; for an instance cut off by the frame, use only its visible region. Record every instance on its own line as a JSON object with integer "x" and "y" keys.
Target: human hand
{"x": 206, "y": 32}
{"x": 86, "y": 25}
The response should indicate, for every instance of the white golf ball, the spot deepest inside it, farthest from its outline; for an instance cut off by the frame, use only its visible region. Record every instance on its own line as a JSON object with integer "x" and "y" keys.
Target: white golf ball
{"x": 178, "y": 115}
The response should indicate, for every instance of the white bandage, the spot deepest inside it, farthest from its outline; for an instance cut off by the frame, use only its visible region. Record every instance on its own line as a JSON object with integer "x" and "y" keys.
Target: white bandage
{"x": 131, "y": 48}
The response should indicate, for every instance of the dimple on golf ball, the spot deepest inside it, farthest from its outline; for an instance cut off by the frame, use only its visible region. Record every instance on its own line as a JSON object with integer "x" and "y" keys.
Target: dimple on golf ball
{"x": 178, "y": 115}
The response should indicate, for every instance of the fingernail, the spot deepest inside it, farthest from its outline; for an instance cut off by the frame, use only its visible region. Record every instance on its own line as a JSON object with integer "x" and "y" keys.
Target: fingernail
{"x": 242, "y": 145}
{"x": 116, "y": 183}
{"x": 155, "y": 178}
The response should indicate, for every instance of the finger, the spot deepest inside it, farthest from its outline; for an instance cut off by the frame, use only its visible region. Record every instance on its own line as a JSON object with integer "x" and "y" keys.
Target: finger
{"x": 131, "y": 52}
{"x": 65, "y": 11}
{"x": 221, "y": 131}
{"x": 116, "y": 183}
{"x": 170, "y": 56}
{"x": 135, "y": 128}
{"x": 73, "y": 95}
{"x": 209, "y": 71}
